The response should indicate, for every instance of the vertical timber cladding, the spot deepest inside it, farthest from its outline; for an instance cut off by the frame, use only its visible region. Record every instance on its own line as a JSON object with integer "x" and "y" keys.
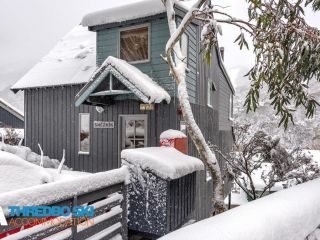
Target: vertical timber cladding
{"x": 8, "y": 119}
{"x": 53, "y": 121}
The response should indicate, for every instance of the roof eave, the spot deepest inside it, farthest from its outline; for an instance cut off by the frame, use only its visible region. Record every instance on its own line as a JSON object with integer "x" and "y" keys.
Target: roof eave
{"x": 221, "y": 64}
{"x": 98, "y": 27}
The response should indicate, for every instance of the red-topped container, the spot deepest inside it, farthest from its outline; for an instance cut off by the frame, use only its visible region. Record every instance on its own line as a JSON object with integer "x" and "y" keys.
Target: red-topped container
{"x": 176, "y": 139}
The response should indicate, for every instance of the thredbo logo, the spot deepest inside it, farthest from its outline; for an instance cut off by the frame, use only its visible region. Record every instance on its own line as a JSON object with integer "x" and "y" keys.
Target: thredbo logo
{"x": 3, "y": 221}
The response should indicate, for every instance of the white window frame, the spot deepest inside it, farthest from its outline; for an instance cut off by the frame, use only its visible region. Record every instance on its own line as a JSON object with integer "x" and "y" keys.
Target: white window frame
{"x": 149, "y": 41}
{"x": 210, "y": 88}
{"x": 79, "y": 142}
{"x": 231, "y": 107}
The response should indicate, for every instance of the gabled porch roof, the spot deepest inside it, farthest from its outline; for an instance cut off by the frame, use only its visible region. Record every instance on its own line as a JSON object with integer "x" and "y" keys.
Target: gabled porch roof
{"x": 133, "y": 81}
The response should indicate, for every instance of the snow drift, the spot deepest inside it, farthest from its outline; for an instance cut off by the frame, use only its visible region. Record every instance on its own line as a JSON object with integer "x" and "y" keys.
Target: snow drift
{"x": 290, "y": 214}
{"x": 15, "y": 173}
{"x": 26, "y": 154}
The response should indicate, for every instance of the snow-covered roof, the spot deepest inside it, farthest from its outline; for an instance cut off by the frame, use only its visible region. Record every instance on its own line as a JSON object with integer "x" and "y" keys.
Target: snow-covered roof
{"x": 136, "y": 81}
{"x": 136, "y": 10}
{"x": 71, "y": 61}
{"x": 171, "y": 133}
{"x": 290, "y": 214}
{"x": 10, "y": 108}
{"x": 165, "y": 162}
{"x": 122, "y": 13}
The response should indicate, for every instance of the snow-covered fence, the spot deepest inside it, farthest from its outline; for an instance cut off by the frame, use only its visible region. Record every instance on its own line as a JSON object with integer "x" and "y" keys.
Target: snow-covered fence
{"x": 290, "y": 214}
{"x": 105, "y": 191}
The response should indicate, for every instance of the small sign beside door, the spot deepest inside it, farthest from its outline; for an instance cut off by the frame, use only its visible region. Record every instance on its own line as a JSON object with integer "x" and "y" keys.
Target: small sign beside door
{"x": 102, "y": 124}
{"x": 146, "y": 107}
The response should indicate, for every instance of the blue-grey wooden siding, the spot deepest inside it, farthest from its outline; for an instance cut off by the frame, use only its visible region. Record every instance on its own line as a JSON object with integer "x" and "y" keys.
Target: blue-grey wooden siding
{"x": 53, "y": 121}
{"x": 156, "y": 68}
{"x": 8, "y": 119}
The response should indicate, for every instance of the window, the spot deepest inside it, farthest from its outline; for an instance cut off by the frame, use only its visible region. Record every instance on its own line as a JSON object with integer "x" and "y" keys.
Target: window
{"x": 135, "y": 134}
{"x": 210, "y": 88}
{"x": 231, "y": 107}
{"x": 184, "y": 47}
{"x": 134, "y": 131}
{"x": 84, "y": 135}
{"x": 134, "y": 44}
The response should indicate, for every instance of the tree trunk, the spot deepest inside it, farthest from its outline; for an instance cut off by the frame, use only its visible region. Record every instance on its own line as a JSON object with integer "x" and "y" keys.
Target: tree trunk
{"x": 178, "y": 71}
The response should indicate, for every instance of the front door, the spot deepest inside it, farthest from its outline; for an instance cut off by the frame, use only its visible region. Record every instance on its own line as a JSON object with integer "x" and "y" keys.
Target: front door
{"x": 133, "y": 131}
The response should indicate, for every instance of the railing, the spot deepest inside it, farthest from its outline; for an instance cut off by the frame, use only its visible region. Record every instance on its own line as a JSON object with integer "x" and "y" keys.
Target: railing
{"x": 108, "y": 200}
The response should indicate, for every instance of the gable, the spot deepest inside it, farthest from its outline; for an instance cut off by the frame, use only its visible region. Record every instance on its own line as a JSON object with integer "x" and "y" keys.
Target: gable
{"x": 116, "y": 78}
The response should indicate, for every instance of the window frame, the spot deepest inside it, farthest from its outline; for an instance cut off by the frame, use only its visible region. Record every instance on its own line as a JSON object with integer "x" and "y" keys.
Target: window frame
{"x": 231, "y": 107}
{"x": 123, "y": 29}
{"x": 79, "y": 142}
{"x": 121, "y": 125}
{"x": 212, "y": 87}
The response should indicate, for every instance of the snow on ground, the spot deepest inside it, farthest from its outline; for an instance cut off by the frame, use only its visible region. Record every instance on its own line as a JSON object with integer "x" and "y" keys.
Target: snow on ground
{"x": 65, "y": 188}
{"x": 170, "y": 134}
{"x": 26, "y": 154}
{"x": 140, "y": 81}
{"x": 237, "y": 198}
{"x": 71, "y": 61}
{"x": 315, "y": 154}
{"x": 291, "y": 214}
{"x": 165, "y": 162}
{"x": 16, "y": 173}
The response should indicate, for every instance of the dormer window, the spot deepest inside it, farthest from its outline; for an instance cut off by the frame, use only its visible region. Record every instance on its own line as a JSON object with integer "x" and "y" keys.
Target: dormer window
{"x": 135, "y": 44}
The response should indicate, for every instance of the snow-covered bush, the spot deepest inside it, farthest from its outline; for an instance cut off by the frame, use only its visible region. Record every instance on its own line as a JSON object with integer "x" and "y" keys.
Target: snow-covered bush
{"x": 11, "y": 136}
{"x": 260, "y": 164}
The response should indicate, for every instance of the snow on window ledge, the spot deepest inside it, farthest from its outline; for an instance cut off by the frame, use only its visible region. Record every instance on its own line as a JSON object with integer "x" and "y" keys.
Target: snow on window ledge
{"x": 83, "y": 153}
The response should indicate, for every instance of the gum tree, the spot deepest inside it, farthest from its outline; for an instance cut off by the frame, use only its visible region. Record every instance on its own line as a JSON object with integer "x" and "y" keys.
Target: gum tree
{"x": 286, "y": 58}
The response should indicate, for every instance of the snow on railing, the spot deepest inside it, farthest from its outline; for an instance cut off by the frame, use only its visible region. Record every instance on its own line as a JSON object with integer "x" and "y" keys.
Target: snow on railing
{"x": 290, "y": 214}
{"x": 105, "y": 193}
{"x": 57, "y": 191}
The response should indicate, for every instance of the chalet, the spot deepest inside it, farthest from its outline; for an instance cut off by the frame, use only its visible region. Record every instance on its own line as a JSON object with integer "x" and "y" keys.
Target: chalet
{"x": 10, "y": 116}
{"x": 105, "y": 88}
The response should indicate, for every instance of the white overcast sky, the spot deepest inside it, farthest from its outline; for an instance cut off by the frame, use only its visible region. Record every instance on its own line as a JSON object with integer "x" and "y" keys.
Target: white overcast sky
{"x": 30, "y": 28}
